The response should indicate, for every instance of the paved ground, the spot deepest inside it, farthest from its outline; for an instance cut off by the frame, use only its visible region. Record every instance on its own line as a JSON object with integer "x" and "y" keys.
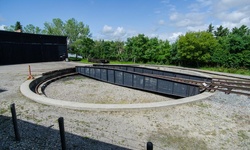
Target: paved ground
{"x": 219, "y": 122}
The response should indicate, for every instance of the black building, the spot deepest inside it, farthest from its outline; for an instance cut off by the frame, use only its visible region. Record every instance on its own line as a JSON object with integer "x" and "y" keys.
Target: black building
{"x": 17, "y": 48}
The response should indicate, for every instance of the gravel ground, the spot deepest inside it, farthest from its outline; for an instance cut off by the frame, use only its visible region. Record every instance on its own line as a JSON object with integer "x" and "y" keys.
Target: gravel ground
{"x": 219, "y": 122}
{"x": 87, "y": 90}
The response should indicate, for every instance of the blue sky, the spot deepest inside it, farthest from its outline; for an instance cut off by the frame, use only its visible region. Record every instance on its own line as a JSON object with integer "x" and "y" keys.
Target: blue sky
{"x": 120, "y": 19}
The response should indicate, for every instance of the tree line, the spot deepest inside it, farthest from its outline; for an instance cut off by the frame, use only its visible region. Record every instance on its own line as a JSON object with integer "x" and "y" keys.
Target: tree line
{"x": 218, "y": 47}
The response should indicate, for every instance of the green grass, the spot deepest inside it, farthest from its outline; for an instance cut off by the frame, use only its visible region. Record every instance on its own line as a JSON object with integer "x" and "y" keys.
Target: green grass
{"x": 85, "y": 61}
{"x": 217, "y": 69}
{"x": 228, "y": 70}
{"x": 122, "y": 62}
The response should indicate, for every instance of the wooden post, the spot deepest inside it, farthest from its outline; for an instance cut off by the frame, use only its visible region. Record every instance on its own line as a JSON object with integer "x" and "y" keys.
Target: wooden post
{"x": 62, "y": 133}
{"x": 149, "y": 146}
{"x": 13, "y": 112}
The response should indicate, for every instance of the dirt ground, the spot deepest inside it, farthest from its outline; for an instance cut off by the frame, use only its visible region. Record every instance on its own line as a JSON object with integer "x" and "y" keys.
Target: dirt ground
{"x": 218, "y": 122}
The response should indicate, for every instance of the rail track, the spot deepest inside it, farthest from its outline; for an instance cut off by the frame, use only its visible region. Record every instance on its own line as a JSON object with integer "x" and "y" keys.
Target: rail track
{"x": 227, "y": 85}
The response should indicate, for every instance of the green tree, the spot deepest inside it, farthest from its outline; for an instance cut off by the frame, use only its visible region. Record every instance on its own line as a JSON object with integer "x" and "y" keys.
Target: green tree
{"x": 136, "y": 47}
{"x": 195, "y": 48}
{"x": 76, "y": 30}
{"x": 54, "y": 28}
{"x": 221, "y": 31}
{"x": 9, "y": 28}
{"x": 18, "y": 26}
{"x": 210, "y": 28}
{"x": 32, "y": 29}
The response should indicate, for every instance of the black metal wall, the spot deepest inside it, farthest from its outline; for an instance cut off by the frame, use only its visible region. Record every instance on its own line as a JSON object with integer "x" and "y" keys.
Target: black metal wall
{"x": 157, "y": 72}
{"x": 139, "y": 81}
{"x": 17, "y": 48}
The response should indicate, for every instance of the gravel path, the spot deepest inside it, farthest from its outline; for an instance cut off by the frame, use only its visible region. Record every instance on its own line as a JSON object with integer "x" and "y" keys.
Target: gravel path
{"x": 219, "y": 122}
{"x": 82, "y": 89}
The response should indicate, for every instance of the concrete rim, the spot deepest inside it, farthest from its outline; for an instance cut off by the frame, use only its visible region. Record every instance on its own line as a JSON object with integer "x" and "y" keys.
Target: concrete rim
{"x": 26, "y": 91}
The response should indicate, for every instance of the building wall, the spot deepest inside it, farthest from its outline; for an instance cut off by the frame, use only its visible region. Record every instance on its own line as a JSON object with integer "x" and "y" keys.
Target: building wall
{"x": 18, "y": 48}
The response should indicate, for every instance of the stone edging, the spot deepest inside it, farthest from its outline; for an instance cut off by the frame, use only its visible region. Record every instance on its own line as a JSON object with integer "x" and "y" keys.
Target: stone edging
{"x": 26, "y": 91}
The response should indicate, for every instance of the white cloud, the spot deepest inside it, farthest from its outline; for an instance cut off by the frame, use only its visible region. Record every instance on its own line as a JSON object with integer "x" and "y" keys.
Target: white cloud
{"x": 2, "y": 27}
{"x": 226, "y": 4}
{"x": 107, "y": 29}
{"x": 234, "y": 16}
{"x": 172, "y": 38}
{"x": 161, "y": 22}
{"x": 109, "y": 33}
{"x": 119, "y": 32}
{"x": 198, "y": 28}
{"x": 174, "y": 16}
{"x": 232, "y": 13}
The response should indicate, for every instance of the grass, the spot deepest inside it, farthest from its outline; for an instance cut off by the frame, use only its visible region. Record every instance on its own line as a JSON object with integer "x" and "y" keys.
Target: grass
{"x": 2, "y": 111}
{"x": 217, "y": 69}
{"x": 181, "y": 142}
{"x": 228, "y": 70}
{"x": 243, "y": 135}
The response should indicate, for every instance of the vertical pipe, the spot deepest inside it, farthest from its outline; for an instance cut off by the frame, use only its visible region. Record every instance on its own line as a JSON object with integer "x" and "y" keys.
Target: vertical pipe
{"x": 62, "y": 133}
{"x": 13, "y": 112}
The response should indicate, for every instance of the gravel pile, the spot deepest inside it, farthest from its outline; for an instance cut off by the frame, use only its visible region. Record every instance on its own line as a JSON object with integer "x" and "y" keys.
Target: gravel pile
{"x": 219, "y": 122}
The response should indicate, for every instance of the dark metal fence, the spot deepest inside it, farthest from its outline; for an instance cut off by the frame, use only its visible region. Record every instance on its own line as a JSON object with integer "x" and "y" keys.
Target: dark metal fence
{"x": 16, "y": 48}
{"x": 139, "y": 81}
{"x": 156, "y": 72}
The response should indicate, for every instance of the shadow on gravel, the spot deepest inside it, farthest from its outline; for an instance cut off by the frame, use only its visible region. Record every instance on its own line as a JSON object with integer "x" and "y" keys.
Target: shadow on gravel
{"x": 35, "y": 136}
{"x": 2, "y": 90}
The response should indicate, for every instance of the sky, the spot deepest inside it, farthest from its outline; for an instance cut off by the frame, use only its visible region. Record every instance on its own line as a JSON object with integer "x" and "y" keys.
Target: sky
{"x": 121, "y": 19}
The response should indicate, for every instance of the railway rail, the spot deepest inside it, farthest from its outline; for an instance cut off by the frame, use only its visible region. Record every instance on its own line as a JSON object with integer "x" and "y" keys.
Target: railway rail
{"x": 220, "y": 84}
{"x": 236, "y": 86}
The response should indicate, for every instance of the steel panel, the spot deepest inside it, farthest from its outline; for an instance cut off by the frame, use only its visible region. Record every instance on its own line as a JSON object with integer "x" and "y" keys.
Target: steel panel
{"x": 119, "y": 77}
{"x": 128, "y": 79}
{"x": 111, "y": 76}
{"x": 138, "y": 81}
{"x": 165, "y": 86}
{"x": 150, "y": 84}
{"x": 104, "y": 74}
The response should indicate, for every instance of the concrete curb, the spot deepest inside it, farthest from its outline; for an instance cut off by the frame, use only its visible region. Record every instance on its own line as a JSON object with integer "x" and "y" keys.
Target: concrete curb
{"x": 26, "y": 91}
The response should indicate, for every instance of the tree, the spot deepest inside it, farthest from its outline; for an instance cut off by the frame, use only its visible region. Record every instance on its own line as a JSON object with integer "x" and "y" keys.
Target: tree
{"x": 136, "y": 47}
{"x": 76, "y": 30}
{"x": 221, "y": 31}
{"x": 242, "y": 31}
{"x": 54, "y": 28}
{"x": 210, "y": 28}
{"x": 32, "y": 29}
{"x": 18, "y": 26}
{"x": 9, "y": 28}
{"x": 196, "y": 47}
